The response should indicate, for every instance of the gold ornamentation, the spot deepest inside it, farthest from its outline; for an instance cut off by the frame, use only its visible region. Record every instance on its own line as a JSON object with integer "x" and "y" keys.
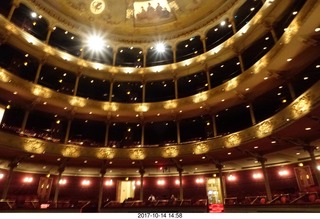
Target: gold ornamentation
{"x": 34, "y": 146}
{"x": 71, "y": 151}
{"x": 200, "y": 97}
{"x": 201, "y": 148}
{"x": 233, "y": 140}
{"x": 106, "y": 153}
{"x": 39, "y": 91}
{"x": 97, "y": 6}
{"x": 171, "y": 104}
{"x": 265, "y": 128}
{"x": 170, "y": 152}
{"x": 76, "y": 101}
{"x": 301, "y": 107}
{"x": 137, "y": 154}
{"x": 3, "y": 76}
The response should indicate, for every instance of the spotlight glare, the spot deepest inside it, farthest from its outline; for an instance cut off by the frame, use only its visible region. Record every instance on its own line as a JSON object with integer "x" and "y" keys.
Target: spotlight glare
{"x": 96, "y": 43}
{"x": 160, "y": 47}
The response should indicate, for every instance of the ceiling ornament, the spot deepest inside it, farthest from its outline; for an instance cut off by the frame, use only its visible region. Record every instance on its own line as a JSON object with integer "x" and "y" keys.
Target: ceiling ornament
{"x": 170, "y": 152}
{"x": 34, "y": 146}
{"x": 137, "y": 154}
{"x": 97, "y": 6}
{"x": 201, "y": 148}
{"x": 106, "y": 153}
{"x": 71, "y": 151}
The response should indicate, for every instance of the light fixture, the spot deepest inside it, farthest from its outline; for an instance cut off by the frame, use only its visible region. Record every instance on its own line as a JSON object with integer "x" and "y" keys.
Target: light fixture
{"x": 160, "y": 47}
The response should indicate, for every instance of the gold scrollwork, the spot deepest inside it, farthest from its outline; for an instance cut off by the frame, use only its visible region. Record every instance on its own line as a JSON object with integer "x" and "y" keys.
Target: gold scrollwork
{"x": 265, "y": 128}
{"x": 137, "y": 154}
{"x": 201, "y": 148}
{"x": 233, "y": 140}
{"x": 301, "y": 107}
{"x": 34, "y": 146}
{"x": 4, "y": 77}
{"x": 106, "y": 153}
{"x": 71, "y": 151}
{"x": 170, "y": 152}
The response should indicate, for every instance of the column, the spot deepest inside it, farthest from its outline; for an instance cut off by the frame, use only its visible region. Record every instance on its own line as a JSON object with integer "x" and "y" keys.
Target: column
{"x": 76, "y": 85}
{"x": 25, "y": 119}
{"x": 11, "y": 166}
{"x": 15, "y": 5}
{"x": 233, "y": 25}
{"x": 178, "y": 132}
{"x": 291, "y": 90}
{"x": 142, "y": 133}
{"x": 144, "y": 58}
{"x": 111, "y": 89}
{"x": 274, "y": 35}
{"x": 208, "y": 78}
{"x": 180, "y": 170}
{"x": 50, "y": 30}
{"x": 106, "y": 138}
{"x": 204, "y": 44}
{"x": 174, "y": 51}
{"x": 222, "y": 188}
{"x": 66, "y": 137}
{"x": 253, "y": 118}
{"x": 114, "y": 56}
{"x": 214, "y": 124}
{"x": 56, "y": 192}
{"x": 241, "y": 63}
{"x": 143, "y": 91}
{"x": 314, "y": 163}
{"x": 102, "y": 173}
{"x": 36, "y": 79}
{"x": 176, "y": 94}
{"x": 266, "y": 179}
{"x": 142, "y": 172}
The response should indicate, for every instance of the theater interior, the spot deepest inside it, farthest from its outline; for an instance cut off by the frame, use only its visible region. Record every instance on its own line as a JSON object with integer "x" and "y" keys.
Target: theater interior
{"x": 210, "y": 106}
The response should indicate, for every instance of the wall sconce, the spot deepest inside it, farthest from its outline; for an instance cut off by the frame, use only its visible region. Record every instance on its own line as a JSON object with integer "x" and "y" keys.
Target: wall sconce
{"x": 27, "y": 180}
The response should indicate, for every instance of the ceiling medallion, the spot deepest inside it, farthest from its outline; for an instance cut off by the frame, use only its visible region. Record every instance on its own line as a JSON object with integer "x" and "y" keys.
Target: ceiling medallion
{"x": 97, "y": 6}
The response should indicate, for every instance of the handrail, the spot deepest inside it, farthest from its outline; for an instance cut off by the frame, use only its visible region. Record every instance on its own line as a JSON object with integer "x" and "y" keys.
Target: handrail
{"x": 81, "y": 209}
{"x": 302, "y": 195}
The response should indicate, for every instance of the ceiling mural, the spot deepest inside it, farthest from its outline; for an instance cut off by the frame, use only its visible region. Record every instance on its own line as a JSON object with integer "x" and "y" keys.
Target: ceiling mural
{"x": 141, "y": 11}
{"x": 138, "y": 18}
{"x": 152, "y": 11}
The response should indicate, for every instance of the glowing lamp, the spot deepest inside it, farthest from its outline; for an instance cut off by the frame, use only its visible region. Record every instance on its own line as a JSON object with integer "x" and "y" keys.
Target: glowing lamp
{"x": 2, "y": 109}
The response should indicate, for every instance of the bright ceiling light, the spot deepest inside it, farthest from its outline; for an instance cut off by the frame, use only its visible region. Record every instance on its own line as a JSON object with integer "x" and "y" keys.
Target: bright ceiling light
{"x": 160, "y": 47}
{"x": 95, "y": 43}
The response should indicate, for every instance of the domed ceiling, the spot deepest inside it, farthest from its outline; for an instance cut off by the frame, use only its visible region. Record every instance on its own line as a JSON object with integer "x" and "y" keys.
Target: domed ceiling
{"x": 139, "y": 19}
